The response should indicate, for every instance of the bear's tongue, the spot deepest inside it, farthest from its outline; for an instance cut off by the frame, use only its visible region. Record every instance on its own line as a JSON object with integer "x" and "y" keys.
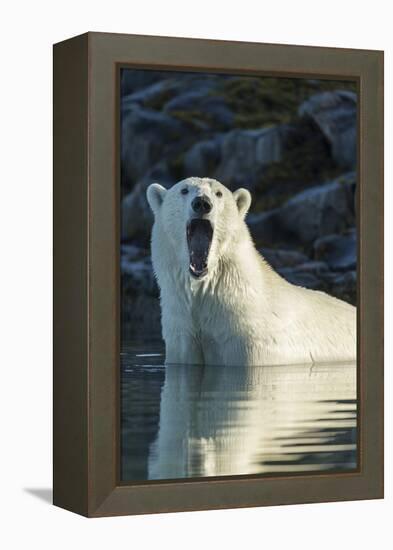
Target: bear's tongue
{"x": 199, "y": 238}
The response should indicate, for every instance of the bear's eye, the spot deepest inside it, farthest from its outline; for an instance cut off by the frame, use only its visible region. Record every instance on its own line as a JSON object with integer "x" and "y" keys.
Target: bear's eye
{"x": 184, "y": 191}
{"x": 219, "y": 194}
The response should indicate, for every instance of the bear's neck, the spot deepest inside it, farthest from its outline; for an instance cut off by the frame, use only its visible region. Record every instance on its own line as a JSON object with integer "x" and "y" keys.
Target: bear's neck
{"x": 243, "y": 264}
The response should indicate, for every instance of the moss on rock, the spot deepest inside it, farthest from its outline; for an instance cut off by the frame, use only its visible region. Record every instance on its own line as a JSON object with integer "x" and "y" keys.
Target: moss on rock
{"x": 260, "y": 102}
{"x": 306, "y": 160}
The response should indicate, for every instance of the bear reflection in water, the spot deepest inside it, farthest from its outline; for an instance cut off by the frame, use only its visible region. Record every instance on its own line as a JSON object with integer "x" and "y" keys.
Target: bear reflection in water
{"x": 217, "y": 421}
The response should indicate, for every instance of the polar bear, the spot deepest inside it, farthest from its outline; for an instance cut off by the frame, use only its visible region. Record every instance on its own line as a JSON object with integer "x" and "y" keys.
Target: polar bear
{"x": 221, "y": 302}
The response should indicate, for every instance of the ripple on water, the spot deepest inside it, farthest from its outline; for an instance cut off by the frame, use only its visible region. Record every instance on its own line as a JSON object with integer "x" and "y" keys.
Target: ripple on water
{"x": 186, "y": 421}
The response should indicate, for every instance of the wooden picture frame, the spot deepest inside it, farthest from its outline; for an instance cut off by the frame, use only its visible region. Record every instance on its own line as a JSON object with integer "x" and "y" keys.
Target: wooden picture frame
{"x": 86, "y": 274}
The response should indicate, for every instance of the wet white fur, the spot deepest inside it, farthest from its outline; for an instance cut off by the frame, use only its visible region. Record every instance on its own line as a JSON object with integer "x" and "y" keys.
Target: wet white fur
{"x": 242, "y": 312}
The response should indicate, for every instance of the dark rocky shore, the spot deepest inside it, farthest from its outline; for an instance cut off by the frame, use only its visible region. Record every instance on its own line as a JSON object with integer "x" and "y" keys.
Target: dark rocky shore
{"x": 291, "y": 142}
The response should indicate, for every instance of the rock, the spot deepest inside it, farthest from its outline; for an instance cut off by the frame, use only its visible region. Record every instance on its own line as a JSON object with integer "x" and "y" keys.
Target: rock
{"x": 136, "y": 216}
{"x": 346, "y": 279}
{"x": 157, "y": 95}
{"x": 317, "y": 268}
{"x": 319, "y": 211}
{"x": 306, "y": 274}
{"x": 151, "y": 97}
{"x": 210, "y": 109}
{"x": 316, "y": 276}
{"x": 135, "y": 213}
{"x": 283, "y": 258}
{"x": 140, "y": 277}
{"x": 140, "y": 317}
{"x": 173, "y": 93}
{"x": 202, "y": 159}
{"x": 344, "y": 287}
{"x": 313, "y": 213}
{"x": 131, "y": 252}
{"x": 147, "y": 137}
{"x": 133, "y": 79}
{"x": 268, "y": 147}
{"x": 300, "y": 278}
{"x": 335, "y": 114}
{"x": 245, "y": 153}
{"x": 140, "y": 311}
{"x": 153, "y": 93}
{"x": 339, "y": 251}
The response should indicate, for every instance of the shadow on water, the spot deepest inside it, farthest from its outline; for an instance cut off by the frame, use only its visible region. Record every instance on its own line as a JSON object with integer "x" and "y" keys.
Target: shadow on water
{"x": 187, "y": 421}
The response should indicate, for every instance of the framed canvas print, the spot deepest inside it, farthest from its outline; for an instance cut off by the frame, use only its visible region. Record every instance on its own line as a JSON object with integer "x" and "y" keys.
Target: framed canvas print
{"x": 218, "y": 274}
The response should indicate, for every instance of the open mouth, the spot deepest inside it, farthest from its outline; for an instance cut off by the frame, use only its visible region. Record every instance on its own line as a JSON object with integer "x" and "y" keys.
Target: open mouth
{"x": 199, "y": 239}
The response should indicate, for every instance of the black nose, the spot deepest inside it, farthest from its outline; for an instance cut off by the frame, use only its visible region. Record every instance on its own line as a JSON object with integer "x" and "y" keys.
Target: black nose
{"x": 201, "y": 205}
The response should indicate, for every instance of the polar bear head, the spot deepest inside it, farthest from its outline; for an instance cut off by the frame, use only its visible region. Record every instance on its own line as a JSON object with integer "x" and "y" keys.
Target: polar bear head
{"x": 201, "y": 218}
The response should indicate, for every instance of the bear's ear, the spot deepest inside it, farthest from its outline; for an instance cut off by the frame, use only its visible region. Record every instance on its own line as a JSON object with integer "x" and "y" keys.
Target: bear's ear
{"x": 243, "y": 200}
{"x": 155, "y": 195}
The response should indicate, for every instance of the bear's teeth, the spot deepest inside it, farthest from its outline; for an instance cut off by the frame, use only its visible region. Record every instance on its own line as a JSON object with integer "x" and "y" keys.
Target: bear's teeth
{"x": 197, "y": 272}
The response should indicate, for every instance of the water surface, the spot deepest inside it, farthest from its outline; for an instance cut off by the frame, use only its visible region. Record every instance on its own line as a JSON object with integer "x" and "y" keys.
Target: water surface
{"x": 186, "y": 421}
